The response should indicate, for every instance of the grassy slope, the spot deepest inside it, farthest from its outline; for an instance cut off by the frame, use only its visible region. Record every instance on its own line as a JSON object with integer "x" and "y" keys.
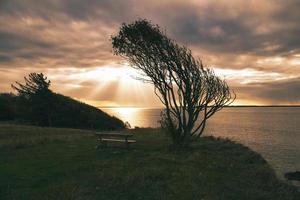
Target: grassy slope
{"x": 65, "y": 112}
{"x": 44, "y": 163}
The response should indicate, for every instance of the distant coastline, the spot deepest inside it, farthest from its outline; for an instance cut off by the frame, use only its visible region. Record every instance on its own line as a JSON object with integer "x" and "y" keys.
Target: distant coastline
{"x": 264, "y": 106}
{"x": 232, "y": 106}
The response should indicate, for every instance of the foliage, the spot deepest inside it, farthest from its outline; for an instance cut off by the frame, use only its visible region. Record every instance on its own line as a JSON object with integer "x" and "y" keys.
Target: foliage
{"x": 7, "y": 109}
{"x": 35, "y": 83}
{"x": 35, "y": 99}
{"x": 190, "y": 93}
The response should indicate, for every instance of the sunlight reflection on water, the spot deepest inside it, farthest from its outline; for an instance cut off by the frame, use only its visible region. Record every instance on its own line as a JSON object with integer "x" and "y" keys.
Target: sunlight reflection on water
{"x": 273, "y": 132}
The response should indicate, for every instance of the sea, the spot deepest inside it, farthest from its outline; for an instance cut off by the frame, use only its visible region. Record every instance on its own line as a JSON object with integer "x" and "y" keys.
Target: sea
{"x": 273, "y": 132}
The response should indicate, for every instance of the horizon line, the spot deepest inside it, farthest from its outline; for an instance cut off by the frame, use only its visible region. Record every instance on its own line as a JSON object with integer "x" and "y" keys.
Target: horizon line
{"x": 159, "y": 107}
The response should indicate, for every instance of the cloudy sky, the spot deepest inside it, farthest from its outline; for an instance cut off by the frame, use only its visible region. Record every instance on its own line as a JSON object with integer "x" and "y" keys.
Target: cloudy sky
{"x": 254, "y": 45}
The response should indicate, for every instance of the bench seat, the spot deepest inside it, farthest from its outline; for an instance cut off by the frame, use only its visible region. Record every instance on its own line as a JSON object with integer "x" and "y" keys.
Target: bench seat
{"x": 117, "y": 140}
{"x": 106, "y": 137}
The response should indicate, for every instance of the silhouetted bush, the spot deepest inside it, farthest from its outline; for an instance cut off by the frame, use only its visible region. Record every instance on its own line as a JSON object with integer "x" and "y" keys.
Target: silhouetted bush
{"x": 7, "y": 106}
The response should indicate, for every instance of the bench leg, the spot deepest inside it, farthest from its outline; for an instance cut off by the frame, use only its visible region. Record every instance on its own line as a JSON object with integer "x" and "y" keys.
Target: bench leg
{"x": 98, "y": 145}
{"x": 104, "y": 143}
{"x": 126, "y": 143}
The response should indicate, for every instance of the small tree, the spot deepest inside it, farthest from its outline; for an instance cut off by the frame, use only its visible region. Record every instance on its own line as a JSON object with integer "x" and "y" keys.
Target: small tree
{"x": 35, "y": 98}
{"x": 35, "y": 83}
{"x": 190, "y": 93}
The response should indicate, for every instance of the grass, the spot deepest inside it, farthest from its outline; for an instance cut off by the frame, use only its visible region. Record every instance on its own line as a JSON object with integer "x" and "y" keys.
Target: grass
{"x": 50, "y": 163}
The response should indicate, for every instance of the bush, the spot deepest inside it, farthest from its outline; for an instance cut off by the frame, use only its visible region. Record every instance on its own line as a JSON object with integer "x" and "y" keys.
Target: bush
{"x": 7, "y": 111}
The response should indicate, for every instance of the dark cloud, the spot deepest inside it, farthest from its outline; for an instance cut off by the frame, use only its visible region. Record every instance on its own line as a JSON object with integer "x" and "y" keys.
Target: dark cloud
{"x": 258, "y": 35}
{"x": 12, "y": 42}
{"x": 287, "y": 91}
{"x": 283, "y": 91}
{"x": 105, "y": 10}
{"x": 219, "y": 35}
{"x": 244, "y": 31}
{"x": 4, "y": 58}
{"x": 215, "y": 26}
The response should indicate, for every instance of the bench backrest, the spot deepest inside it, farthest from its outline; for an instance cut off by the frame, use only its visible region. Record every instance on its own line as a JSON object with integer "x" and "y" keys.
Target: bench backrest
{"x": 121, "y": 135}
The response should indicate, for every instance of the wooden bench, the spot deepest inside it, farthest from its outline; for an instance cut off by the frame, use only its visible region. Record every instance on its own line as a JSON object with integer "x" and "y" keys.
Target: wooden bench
{"x": 106, "y": 137}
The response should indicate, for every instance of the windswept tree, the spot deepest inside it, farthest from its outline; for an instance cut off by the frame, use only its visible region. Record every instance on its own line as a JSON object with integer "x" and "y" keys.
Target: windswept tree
{"x": 35, "y": 83}
{"x": 190, "y": 93}
{"x": 35, "y": 97}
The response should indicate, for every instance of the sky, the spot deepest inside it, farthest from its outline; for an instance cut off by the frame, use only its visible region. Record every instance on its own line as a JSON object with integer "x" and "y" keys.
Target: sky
{"x": 254, "y": 45}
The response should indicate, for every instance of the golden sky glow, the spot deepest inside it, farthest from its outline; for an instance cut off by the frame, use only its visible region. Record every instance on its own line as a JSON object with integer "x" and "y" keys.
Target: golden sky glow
{"x": 254, "y": 45}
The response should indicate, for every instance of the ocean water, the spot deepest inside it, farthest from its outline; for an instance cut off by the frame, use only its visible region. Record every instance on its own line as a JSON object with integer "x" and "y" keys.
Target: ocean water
{"x": 274, "y": 132}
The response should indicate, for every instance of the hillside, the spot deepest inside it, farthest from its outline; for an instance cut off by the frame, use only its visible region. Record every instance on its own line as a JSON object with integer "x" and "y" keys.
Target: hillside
{"x": 60, "y": 110}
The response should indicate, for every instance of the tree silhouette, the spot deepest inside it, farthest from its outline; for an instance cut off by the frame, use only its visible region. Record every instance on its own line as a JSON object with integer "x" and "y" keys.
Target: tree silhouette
{"x": 35, "y": 99}
{"x": 190, "y": 93}
{"x": 35, "y": 83}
